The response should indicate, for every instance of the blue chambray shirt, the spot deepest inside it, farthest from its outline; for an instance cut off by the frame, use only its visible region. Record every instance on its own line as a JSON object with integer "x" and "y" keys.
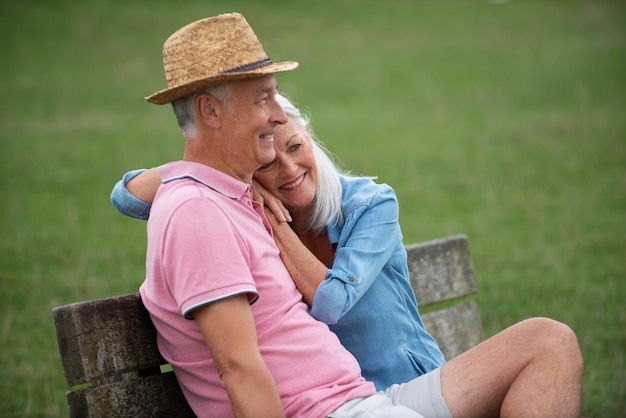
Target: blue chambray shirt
{"x": 366, "y": 299}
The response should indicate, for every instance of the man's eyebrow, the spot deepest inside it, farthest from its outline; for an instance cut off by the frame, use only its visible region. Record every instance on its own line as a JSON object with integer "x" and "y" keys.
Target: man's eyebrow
{"x": 269, "y": 88}
{"x": 263, "y": 90}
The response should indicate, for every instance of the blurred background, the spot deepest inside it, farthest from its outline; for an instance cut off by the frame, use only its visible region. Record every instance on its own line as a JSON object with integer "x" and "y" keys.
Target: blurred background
{"x": 502, "y": 120}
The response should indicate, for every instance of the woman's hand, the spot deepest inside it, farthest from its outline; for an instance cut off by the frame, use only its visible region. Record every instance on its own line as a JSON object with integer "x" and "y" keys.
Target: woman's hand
{"x": 263, "y": 196}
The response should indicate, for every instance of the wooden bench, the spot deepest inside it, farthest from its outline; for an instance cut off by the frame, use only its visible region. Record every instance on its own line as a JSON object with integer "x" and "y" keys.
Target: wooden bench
{"x": 113, "y": 367}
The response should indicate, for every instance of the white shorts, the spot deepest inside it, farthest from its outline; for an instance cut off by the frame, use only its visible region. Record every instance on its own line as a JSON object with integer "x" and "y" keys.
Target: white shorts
{"x": 419, "y": 398}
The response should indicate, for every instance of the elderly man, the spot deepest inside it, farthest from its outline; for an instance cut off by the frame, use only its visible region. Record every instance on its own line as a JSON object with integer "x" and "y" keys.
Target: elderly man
{"x": 228, "y": 315}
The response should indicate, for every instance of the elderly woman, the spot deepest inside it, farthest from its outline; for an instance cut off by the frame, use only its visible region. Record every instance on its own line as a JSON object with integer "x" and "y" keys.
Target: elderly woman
{"x": 340, "y": 239}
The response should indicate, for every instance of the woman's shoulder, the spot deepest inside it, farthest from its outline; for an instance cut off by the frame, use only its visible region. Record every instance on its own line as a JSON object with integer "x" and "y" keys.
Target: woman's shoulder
{"x": 357, "y": 190}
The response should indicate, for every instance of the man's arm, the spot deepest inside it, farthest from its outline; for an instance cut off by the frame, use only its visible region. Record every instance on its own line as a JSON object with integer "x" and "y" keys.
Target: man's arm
{"x": 229, "y": 331}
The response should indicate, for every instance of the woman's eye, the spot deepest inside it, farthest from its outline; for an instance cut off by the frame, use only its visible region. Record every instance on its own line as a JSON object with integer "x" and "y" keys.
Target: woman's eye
{"x": 295, "y": 147}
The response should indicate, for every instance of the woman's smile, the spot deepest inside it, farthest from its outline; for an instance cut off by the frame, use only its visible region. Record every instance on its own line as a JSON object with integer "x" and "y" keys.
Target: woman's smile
{"x": 294, "y": 184}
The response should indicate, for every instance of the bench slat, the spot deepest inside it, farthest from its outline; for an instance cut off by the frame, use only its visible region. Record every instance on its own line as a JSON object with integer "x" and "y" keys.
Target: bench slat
{"x": 441, "y": 270}
{"x": 456, "y": 329}
{"x": 153, "y": 396}
{"x": 103, "y": 338}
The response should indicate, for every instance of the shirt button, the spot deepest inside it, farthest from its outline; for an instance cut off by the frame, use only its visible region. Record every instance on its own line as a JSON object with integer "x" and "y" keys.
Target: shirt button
{"x": 351, "y": 279}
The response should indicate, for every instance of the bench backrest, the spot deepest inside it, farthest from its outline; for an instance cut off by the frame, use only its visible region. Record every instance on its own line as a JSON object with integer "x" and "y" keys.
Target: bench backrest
{"x": 113, "y": 367}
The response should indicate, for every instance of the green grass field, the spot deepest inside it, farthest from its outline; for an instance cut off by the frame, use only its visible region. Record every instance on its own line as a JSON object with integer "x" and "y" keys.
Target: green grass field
{"x": 503, "y": 120}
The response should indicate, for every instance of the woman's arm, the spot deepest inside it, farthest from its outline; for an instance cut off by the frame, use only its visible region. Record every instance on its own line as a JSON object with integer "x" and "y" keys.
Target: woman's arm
{"x": 144, "y": 186}
{"x": 306, "y": 270}
{"x": 133, "y": 194}
{"x": 369, "y": 238}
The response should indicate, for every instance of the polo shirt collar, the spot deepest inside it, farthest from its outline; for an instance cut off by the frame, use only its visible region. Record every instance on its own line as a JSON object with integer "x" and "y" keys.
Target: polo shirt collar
{"x": 210, "y": 177}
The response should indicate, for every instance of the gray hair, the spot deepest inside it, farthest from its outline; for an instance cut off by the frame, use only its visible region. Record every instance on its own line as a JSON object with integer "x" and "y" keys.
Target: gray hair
{"x": 327, "y": 205}
{"x": 185, "y": 111}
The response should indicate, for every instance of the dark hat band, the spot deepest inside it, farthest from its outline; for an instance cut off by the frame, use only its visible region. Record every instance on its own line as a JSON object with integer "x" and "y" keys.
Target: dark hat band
{"x": 251, "y": 66}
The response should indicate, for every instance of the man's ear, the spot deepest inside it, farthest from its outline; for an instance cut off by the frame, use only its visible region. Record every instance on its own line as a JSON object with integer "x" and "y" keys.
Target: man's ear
{"x": 208, "y": 110}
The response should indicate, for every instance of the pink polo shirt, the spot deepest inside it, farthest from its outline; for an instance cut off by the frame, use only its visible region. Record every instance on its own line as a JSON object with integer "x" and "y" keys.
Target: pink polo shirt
{"x": 207, "y": 240}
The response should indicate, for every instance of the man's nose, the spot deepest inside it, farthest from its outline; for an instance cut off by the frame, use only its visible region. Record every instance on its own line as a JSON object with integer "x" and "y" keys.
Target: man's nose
{"x": 278, "y": 114}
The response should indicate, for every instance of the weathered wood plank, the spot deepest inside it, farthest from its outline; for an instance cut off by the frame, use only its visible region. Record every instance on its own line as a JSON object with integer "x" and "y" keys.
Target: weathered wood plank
{"x": 457, "y": 328}
{"x": 441, "y": 270}
{"x": 153, "y": 396}
{"x": 106, "y": 337}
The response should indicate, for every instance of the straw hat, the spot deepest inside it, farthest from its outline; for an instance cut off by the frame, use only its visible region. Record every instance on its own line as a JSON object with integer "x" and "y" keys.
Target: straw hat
{"x": 210, "y": 51}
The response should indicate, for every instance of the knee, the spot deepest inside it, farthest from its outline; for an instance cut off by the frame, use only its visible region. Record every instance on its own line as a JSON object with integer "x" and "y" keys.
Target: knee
{"x": 555, "y": 337}
{"x": 547, "y": 329}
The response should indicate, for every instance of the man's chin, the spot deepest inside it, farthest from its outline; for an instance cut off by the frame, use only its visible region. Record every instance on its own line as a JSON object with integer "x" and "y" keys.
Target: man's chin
{"x": 267, "y": 157}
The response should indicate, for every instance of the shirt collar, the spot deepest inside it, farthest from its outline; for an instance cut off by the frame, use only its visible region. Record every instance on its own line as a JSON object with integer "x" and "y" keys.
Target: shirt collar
{"x": 210, "y": 177}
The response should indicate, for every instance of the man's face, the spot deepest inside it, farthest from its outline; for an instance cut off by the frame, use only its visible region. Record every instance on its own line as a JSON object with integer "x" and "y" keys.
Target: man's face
{"x": 249, "y": 119}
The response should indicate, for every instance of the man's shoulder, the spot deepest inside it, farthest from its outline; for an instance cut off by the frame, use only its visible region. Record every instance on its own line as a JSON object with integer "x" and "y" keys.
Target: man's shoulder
{"x": 182, "y": 174}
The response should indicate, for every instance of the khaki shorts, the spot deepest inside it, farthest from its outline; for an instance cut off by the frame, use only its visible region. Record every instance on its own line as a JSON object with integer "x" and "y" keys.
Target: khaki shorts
{"x": 419, "y": 398}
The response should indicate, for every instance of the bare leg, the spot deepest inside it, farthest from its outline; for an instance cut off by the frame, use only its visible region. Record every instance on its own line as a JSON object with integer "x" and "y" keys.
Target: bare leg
{"x": 532, "y": 369}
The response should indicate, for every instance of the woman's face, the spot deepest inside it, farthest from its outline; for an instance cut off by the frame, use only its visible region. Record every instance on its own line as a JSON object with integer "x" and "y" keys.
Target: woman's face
{"x": 292, "y": 176}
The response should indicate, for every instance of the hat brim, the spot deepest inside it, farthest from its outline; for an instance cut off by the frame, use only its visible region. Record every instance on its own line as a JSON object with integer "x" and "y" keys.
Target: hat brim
{"x": 170, "y": 94}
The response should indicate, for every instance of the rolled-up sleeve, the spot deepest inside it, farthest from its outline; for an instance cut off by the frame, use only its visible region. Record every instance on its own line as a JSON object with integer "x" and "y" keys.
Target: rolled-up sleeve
{"x": 331, "y": 298}
{"x": 367, "y": 240}
{"x": 125, "y": 202}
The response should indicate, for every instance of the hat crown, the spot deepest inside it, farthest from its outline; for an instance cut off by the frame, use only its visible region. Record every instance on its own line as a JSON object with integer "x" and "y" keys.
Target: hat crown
{"x": 213, "y": 45}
